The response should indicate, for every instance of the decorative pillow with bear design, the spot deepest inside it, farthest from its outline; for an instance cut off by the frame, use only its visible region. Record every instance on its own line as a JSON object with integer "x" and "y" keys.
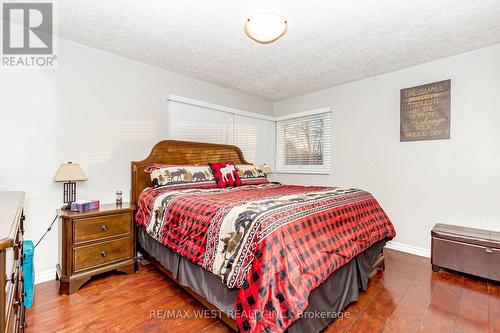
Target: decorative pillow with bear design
{"x": 225, "y": 174}
{"x": 251, "y": 174}
{"x": 179, "y": 174}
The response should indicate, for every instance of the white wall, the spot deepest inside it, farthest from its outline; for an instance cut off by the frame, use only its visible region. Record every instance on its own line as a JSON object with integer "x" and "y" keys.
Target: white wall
{"x": 454, "y": 181}
{"x": 103, "y": 111}
{"x": 97, "y": 109}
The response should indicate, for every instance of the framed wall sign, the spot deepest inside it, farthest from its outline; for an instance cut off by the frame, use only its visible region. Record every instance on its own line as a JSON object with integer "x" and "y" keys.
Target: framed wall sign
{"x": 425, "y": 112}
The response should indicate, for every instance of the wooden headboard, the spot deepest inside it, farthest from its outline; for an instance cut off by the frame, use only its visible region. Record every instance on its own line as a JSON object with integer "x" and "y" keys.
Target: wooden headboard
{"x": 178, "y": 153}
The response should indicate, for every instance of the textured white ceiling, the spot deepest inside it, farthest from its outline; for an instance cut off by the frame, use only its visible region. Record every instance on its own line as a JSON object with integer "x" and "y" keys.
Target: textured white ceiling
{"x": 328, "y": 42}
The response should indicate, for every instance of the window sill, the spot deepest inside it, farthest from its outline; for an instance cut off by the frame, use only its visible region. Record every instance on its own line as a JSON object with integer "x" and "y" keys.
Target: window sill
{"x": 311, "y": 172}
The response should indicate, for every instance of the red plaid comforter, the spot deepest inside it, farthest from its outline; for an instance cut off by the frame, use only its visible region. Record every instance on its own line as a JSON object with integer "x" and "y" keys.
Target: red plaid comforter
{"x": 276, "y": 243}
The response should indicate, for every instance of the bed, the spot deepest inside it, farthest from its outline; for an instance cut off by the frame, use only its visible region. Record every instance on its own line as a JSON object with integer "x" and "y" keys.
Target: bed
{"x": 302, "y": 255}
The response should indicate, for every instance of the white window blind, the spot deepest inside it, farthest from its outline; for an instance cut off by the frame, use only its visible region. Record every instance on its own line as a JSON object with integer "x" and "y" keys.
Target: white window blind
{"x": 195, "y": 123}
{"x": 254, "y": 136}
{"x": 303, "y": 144}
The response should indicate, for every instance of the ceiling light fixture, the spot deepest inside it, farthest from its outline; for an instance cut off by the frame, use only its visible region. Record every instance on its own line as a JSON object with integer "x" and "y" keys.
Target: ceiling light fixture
{"x": 265, "y": 28}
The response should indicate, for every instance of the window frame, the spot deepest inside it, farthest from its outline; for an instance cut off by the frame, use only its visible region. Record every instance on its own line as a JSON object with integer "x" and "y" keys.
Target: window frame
{"x": 281, "y": 167}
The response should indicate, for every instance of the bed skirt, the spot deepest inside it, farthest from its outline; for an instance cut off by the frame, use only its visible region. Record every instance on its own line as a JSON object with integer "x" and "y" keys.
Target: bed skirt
{"x": 325, "y": 302}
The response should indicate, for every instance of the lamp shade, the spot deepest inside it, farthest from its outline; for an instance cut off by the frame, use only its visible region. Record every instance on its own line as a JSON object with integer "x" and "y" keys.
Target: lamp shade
{"x": 266, "y": 168}
{"x": 69, "y": 172}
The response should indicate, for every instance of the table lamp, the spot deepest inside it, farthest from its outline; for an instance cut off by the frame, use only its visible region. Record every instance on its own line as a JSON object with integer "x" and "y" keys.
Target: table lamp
{"x": 69, "y": 173}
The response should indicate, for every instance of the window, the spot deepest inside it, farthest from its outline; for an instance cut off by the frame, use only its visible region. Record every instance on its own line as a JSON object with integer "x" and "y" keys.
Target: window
{"x": 298, "y": 143}
{"x": 196, "y": 123}
{"x": 255, "y": 136}
{"x": 303, "y": 144}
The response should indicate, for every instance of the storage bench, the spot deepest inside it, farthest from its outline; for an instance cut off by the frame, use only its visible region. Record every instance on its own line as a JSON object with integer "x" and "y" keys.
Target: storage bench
{"x": 466, "y": 250}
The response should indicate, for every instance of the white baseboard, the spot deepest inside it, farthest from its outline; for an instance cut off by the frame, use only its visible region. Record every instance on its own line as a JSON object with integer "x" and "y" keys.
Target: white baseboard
{"x": 418, "y": 251}
{"x": 45, "y": 276}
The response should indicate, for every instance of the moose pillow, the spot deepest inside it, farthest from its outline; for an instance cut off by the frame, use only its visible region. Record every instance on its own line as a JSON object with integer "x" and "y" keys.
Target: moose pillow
{"x": 225, "y": 174}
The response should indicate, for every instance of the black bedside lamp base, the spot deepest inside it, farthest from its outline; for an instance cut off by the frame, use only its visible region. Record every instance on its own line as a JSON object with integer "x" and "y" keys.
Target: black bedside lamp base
{"x": 66, "y": 206}
{"x": 69, "y": 195}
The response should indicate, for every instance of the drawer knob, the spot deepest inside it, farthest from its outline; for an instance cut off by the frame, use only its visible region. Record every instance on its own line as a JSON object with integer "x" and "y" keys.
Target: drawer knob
{"x": 104, "y": 228}
{"x": 104, "y": 254}
{"x": 489, "y": 250}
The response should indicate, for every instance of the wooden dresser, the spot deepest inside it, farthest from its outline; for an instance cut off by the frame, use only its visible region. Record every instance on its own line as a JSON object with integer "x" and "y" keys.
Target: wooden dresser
{"x": 95, "y": 242}
{"x": 11, "y": 272}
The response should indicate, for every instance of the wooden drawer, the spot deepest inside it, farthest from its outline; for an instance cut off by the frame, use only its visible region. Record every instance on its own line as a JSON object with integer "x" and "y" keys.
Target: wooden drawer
{"x": 10, "y": 262}
{"x": 101, "y": 227}
{"x": 95, "y": 255}
{"x": 12, "y": 299}
{"x": 12, "y": 322}
{"x": 11, "y": 279}
{"x": 21, "y": 314}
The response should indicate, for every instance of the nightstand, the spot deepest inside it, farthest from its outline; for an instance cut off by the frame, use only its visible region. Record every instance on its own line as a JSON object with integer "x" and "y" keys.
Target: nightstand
{"x": 94, "y": 242}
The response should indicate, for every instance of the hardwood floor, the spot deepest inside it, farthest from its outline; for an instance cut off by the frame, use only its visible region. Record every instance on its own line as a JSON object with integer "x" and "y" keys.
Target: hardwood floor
{"x": 407, "y": 297}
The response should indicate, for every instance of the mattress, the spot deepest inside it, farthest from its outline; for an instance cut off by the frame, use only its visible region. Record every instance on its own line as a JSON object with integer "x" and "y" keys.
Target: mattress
{"x": 326, "y": 302}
